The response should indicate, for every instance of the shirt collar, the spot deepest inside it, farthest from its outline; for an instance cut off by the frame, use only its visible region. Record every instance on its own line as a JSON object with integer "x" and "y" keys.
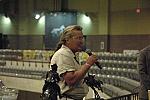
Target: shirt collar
{"x": 68, "y": 49}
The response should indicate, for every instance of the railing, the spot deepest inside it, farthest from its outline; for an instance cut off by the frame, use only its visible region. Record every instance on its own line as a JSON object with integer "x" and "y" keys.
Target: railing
{"x": 133, "y": 96}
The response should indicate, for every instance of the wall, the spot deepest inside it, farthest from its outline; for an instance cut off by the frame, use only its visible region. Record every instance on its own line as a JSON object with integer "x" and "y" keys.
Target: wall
{"x": 128, "y": 29}
{"x": 110, "y": 22}
{"x": 28, "y": 25}
{"x": 26, "y": 42}
{"x": 118, "y": 43}
{"x": 8, "y": 25}
{"x": 130, "y": 22}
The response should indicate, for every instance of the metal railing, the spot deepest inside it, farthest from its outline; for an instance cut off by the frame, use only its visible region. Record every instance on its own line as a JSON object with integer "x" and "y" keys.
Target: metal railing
{"x": 133, "y": 96}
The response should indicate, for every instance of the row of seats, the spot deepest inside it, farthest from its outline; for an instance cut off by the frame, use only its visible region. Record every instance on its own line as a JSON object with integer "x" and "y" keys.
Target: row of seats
{"x": 114, "y": 91}
{"x": 9, "y": 54}
{"x": 129, "y": 84}
{"x": 43, "y": 54}
{"x": 25, "y": 69}
{"x": 27, "y": 65}
{"x": 118, "y": 63}
{"x": 22, "y": 74}
{"x": 119, "y": 81}
{"x": 117, "y": 56}
{"x": 129, "y": 73}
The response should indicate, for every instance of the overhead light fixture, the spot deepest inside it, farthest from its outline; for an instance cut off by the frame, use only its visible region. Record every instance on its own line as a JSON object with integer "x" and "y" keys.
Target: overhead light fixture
{"x": 37, "y": 16}
{"x": 86, "y": 19}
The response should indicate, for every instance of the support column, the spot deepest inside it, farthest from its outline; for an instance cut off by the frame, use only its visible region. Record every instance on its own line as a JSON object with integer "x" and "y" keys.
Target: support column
{"x": 103, "y": 28}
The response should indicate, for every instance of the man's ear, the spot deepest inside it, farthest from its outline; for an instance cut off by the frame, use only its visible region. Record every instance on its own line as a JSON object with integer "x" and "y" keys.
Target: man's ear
{"x": 67, "y": 40}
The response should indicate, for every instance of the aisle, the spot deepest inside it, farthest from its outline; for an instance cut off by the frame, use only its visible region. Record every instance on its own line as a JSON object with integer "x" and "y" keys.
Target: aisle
{"x": 25, "y": 84}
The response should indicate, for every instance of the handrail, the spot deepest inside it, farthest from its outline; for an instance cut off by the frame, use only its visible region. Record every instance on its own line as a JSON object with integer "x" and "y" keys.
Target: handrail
{"x": 133, "y": 96}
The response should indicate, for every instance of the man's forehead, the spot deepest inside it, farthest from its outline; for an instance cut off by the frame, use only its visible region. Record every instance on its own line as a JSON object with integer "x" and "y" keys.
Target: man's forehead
{"x": 77, "y": 32}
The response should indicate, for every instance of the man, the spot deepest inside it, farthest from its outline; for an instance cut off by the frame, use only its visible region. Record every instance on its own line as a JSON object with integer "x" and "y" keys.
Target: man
{"x": 144, "y": 73}
{"x": 71, "y": 73}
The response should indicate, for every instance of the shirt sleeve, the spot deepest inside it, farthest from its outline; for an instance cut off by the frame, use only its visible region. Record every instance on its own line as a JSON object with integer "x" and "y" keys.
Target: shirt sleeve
{"x": 65, "y": 63}
{"x": 142, "y": 65}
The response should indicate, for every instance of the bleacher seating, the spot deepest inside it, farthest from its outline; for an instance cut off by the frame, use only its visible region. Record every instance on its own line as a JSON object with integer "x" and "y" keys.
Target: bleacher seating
{"x": 24, "y": 63}
{"x": 119, "y": 70}
{"x": 114, "y": 91}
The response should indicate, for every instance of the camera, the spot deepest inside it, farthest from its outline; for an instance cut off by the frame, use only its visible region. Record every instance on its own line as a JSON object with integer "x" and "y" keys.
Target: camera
{"x": 51, "y": 88}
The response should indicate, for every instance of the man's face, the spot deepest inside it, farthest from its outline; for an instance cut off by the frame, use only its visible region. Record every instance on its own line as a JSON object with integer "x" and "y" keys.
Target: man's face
{"x": 76, "y": 42}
